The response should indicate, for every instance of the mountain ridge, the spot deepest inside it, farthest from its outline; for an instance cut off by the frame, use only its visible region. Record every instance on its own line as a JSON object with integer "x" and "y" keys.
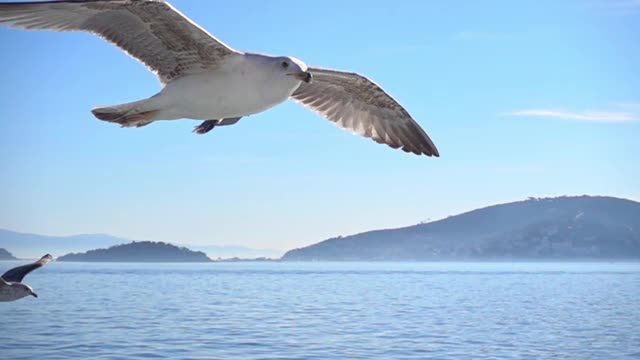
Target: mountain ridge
{"x": 536, "y": 228}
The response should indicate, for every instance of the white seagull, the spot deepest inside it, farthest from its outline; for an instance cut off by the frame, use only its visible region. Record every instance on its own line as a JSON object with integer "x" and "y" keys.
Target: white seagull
{"x": 205, "y": 79}
{"x": 11, "y": 286}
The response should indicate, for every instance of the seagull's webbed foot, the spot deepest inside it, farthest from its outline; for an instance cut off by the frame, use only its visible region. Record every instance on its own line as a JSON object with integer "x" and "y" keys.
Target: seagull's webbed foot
{"x": 205, "y": 127}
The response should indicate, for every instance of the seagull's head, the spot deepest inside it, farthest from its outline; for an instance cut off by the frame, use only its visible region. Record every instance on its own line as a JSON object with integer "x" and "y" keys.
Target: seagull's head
{"x": 295, "y": 68}
{"x": 24, "y": 290}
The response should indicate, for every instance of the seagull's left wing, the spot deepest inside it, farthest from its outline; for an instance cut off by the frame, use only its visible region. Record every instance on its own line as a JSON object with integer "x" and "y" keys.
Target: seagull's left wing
{"x": 356, "y": 103}
{"x": 152, "y": 31}
{"x": 18, "y": 273}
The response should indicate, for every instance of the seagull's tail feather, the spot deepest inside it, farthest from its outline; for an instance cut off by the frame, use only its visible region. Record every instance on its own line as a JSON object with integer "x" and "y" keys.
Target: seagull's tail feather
{"x": 133, "y": 114}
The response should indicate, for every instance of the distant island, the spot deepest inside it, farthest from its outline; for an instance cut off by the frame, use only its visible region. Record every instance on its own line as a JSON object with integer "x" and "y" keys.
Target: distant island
{"x": 5, "y": 255}
{"x": 139, "y": 251}
{"x": 562, "y": 228}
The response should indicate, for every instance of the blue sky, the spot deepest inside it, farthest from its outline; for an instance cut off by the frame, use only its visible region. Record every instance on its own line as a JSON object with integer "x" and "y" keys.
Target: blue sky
{"x": 526, "y": 98}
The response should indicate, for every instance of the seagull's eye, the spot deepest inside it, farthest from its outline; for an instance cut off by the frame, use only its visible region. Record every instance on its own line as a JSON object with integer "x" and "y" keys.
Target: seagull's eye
{"x": 284, "y": 64}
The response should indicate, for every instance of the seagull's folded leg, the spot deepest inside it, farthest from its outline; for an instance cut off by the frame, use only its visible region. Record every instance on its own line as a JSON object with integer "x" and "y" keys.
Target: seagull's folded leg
{"x": 205, "y": 127}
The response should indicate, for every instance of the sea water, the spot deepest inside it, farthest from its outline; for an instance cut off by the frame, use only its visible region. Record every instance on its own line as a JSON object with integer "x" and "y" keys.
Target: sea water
{"x": 325, "y": 310}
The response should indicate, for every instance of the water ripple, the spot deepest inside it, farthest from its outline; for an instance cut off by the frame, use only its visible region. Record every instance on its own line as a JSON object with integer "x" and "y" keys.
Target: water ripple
{"x": 326, "y": 311}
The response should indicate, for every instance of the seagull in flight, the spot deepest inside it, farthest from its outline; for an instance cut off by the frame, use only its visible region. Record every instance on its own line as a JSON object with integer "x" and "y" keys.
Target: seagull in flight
{"x": 205, "y": 79}
{"x": 11, "y": 286}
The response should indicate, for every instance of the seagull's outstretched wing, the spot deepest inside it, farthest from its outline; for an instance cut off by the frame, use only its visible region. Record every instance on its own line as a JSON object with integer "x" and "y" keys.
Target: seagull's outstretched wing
{"x": 358, "y": 104}
{"x": 18, "y": 273}
{"x": 152, "y": 31}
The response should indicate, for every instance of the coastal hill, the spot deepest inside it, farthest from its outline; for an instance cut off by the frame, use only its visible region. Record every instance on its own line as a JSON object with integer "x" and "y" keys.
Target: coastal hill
{"x": 142, "y": 251}
{"x": 563, "y": 228}
{"x": 5, "y": 255}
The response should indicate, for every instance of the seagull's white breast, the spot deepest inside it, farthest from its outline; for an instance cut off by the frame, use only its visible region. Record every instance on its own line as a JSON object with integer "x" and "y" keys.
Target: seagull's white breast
{"x": 241, "y": 86}
{"x": 10, "y": 293}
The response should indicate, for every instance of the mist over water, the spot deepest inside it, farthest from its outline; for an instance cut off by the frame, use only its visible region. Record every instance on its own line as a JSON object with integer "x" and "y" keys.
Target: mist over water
{"x": 326, "y": 311}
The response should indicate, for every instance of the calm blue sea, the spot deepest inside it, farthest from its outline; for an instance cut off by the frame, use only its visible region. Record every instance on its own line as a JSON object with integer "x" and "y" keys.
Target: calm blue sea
{"x": 326, "y": 311}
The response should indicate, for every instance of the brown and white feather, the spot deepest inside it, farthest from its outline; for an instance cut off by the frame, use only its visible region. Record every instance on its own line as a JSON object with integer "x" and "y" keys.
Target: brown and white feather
{"x": 152, "y": 31}
{"x": 356, "y": 103}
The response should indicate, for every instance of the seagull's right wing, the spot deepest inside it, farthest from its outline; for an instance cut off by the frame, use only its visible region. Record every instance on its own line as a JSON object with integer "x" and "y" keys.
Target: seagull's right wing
{"x": 18, "y": 273}
{"x": 356, "y": 103}
{"x": 152, "y": 31}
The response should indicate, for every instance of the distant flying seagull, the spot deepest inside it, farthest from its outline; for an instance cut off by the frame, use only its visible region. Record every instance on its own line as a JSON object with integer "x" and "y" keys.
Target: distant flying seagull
{"x": 204, "y": 79}
{"x": 11, "y": 286}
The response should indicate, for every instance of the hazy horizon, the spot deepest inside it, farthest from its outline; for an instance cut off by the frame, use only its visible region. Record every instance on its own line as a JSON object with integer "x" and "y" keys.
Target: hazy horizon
{"x": 581, "y": 204}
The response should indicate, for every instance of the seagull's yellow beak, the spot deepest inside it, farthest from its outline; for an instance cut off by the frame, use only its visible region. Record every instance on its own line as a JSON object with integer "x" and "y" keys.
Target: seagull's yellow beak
{"x": 302, "y": 76}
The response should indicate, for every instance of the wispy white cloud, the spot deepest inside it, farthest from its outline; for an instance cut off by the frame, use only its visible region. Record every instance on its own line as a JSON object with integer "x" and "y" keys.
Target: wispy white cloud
{"x": 594, "y": 116}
